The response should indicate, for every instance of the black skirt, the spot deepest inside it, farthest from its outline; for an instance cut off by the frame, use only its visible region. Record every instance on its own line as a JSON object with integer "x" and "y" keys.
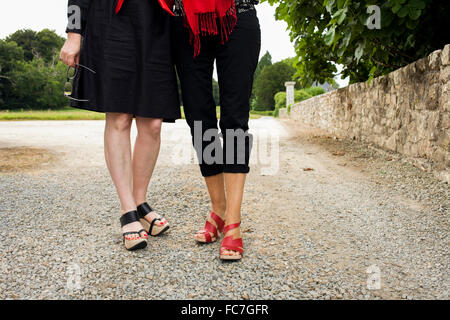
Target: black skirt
{"x": 130, "y": 53}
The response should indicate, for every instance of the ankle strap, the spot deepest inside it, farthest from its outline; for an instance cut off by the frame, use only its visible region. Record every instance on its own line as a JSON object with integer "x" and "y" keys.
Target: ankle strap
{"x": 231, "y": 227}
{"x": 144, "y": 209}
{"x": 129, "y": 217}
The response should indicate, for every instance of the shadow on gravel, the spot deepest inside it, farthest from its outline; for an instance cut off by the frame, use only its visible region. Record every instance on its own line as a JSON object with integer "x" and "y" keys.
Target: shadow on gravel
{"x": 24, "y": 159}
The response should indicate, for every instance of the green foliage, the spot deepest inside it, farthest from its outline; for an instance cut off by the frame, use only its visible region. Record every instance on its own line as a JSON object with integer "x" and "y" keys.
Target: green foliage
{"x": 276, "y": 112}
{"x": 280, "y": 100}
{"x": 37, "y": 85}
{"x": 266, "y": 60}
{"x": 216, "y": 93}
{"x": 299, "y": 95}
{"x": 315, "y": 91}
{"x": 262, "y": 113}
{"x": 44, "y": 44}
{"x": 270, "y": 81}
{"x": 48, "y": 44}
{"x": 10, "y": 55}
{"x": 331, "y": 32}
{"x": 26, "y": 39}
{"x": 289, "y": 109}
{"x": 31, "y": 75}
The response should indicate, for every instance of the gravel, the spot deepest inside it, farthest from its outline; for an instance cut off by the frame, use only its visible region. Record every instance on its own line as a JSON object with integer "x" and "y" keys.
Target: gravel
{"x": 308, "y": 234}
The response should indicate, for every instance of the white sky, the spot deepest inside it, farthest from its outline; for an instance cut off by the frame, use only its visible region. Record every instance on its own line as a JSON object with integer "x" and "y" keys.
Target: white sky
{"x": 37, "y": 15}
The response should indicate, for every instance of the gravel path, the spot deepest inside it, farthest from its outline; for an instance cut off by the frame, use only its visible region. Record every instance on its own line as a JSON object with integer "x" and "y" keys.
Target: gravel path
{"x": 334, "y": 212}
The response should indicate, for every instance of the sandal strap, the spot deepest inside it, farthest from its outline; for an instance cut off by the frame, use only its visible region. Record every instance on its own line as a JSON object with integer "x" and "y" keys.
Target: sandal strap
{"x": 218, "y": 220}
{"x": 129, "y": 217}
{"x": 144, "y": 209}
{"x": 207, "y": 230}
{"x": 231, "y": 227}
{"x": 207, "y": 235}
{"x": 231, "y": 244}
{"x": 153, "y": 223}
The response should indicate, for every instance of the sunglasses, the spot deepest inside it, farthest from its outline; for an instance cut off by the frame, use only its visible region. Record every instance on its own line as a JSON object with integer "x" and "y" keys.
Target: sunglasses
{"x": 72, "y": 72}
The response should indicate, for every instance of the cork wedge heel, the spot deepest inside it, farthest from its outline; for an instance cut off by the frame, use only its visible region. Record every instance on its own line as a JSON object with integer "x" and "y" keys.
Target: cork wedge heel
{"x": 157, "y": 226}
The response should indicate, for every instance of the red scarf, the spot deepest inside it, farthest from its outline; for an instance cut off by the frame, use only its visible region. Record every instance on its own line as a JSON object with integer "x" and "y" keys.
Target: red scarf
{"x": 203, "y": 17}
{"x": 206, "y": 17}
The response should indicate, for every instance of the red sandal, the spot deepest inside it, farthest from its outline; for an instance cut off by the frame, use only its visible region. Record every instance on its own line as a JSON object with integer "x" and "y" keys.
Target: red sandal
{"x": 210, "y": 228}
{"x": 228, "y": 243}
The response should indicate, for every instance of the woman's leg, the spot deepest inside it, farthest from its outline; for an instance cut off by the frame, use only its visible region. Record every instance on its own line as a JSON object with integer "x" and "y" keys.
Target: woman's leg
{"x": 145, "y": 155}
{"x": 235, "y": 191}
{"x": 216, "y": 190}
{"x": 146, "y": 151}
{"x": 118, "y": 160}
{"x": 200, "y": 108}
{"x": 235, "y": 69}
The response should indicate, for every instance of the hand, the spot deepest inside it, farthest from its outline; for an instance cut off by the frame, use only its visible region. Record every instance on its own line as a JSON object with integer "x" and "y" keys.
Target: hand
{"x": 70, "y": 52}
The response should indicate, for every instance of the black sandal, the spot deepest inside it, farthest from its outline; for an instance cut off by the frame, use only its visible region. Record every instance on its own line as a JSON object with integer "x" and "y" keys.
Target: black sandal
{"x": 151, "y": 228}
{"x": 132, "y": 240}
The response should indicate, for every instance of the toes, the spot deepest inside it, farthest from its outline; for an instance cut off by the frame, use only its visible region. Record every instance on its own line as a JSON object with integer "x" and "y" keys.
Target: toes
{"x": 230, "y": 253}
{"x": 200, "y": 237}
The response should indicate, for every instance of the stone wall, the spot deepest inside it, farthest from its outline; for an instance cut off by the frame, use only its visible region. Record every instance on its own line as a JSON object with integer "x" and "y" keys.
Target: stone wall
{"x": 406, "y": 111}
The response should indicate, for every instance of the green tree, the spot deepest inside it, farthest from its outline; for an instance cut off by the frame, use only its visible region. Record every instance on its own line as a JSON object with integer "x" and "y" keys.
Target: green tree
{"x": 10, "y": 54}
{"x": 270, "y": 81}
{"x": 48, "y": 44}
{"x": 331, "y": 32}
{"x": 44, "y": 44}
{"x": 38, "y": 85}
{"x": 26, "y": 39}
{"x": 31, "y": 75}
{"x": 266, "y": 60}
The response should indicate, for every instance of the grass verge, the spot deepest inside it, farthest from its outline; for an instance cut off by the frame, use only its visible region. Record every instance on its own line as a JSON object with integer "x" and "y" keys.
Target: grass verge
{"x": 67, "y": 114}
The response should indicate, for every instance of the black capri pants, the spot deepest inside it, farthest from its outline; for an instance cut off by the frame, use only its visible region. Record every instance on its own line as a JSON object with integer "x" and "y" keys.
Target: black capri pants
{"x": 236, "y": 64}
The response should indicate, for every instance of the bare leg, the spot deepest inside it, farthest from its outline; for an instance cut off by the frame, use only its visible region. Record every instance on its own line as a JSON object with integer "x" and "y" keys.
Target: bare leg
{"x": 234, "y": 183}
{"x": 118, "y": 160}
{"x": 146, "y": 151}
{"x": 145, "y": 155}
{"x": 216, "y": 189}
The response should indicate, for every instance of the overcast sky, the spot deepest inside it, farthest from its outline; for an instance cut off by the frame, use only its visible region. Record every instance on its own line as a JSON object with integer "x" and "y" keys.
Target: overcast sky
{"x": 37, "y": 15}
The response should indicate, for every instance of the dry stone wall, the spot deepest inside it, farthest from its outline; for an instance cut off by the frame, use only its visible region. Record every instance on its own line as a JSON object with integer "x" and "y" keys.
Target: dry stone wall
{"x": 406, "y": 111}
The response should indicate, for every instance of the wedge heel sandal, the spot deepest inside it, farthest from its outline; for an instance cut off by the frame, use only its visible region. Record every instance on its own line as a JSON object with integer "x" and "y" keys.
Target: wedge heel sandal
{"x": 132, "y": 240}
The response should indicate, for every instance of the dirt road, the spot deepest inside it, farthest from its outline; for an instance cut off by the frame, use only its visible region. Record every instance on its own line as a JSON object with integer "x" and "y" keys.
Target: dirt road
{"x": 322, "y": 218}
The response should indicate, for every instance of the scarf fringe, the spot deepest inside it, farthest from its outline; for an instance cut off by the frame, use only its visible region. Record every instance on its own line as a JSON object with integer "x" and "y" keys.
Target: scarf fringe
{"x": 209, "y": 24}
{"x": 227, "y": 23}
